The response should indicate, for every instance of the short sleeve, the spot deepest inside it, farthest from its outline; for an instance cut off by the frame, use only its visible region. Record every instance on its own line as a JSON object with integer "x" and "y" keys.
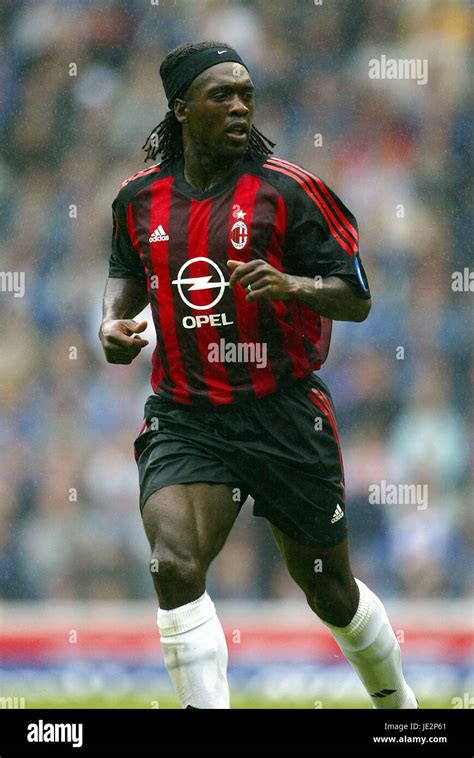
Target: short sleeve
{"x": 124, "y": 261}
{"x": 323, "y": 238}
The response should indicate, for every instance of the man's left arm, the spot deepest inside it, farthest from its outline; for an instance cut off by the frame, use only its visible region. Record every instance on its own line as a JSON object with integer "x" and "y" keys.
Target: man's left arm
{"x": 321, "y": 265}
{"x": 330, "y": 297}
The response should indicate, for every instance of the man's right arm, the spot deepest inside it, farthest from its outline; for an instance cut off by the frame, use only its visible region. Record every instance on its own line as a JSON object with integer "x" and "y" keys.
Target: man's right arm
{"x": 118, "y": 333}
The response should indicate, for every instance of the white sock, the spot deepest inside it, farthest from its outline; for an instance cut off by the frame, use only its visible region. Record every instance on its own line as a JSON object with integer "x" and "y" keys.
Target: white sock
{"x": 195, "y": 653}
{"x": 369, "y": 643}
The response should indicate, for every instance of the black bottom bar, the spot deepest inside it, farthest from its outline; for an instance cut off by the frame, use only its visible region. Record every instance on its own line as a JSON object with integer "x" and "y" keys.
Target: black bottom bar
{"x": 290, "y": 732}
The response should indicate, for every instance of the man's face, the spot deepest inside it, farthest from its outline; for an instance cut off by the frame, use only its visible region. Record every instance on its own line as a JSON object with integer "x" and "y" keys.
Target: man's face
{"x": 217, "y": 111}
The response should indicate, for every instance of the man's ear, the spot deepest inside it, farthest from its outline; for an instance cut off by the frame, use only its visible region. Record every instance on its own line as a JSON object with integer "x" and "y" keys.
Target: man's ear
{"x": 181, "y": 110}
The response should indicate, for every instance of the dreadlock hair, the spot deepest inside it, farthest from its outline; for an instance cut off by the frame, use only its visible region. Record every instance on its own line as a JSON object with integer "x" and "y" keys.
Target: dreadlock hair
{"x": 167, "y": 139}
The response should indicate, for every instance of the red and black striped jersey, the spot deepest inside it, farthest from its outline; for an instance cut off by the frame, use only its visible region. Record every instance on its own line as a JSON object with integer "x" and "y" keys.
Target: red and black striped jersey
{"x": 212, "y": 345}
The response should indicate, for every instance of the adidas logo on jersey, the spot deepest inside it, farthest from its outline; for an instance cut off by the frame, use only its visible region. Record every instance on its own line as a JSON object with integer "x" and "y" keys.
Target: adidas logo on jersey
{"x": 338, "y": 513}
{"x": 159, "y": 235}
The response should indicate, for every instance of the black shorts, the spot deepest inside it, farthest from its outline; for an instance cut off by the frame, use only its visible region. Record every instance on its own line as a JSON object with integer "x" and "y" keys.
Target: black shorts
{"x": 282, "y": 449}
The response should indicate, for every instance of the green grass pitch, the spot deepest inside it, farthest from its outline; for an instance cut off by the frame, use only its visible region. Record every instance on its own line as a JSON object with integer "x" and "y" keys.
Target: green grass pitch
{"x": 240, "y": 702}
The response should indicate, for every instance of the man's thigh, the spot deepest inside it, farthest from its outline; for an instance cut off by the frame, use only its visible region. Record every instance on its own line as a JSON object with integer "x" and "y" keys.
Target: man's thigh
{"x": 190, "y": 522}
{"x": 310, "y": 566}
{"x": 325, "y": 576}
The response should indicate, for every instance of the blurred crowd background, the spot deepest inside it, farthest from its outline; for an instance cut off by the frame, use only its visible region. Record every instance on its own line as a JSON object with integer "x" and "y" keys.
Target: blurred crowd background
{"x": 397, "y": 154}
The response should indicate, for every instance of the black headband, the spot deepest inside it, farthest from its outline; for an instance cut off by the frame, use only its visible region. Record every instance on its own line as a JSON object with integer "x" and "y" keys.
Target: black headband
{"x": 178, "y": 80}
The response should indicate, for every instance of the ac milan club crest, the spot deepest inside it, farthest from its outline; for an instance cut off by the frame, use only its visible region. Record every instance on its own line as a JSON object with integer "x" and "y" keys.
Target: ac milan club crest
{"x": 239, "y": 235}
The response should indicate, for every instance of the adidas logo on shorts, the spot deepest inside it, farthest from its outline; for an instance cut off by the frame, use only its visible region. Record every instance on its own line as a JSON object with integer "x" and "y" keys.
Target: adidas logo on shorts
{"x": 338, "y": 513}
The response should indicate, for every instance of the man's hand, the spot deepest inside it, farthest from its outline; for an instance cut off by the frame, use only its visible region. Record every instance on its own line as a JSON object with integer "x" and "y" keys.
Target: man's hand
{"x": 266, "y": 282}
{"x": 117, "y": 340}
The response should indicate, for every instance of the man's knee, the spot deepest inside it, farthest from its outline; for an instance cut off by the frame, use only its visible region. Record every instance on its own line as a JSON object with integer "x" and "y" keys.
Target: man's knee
{"x": 177, "y": 578}
{"x": 333, "y": 599}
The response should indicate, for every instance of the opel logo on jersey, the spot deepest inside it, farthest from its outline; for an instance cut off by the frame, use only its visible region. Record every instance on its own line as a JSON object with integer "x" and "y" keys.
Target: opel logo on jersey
{"x": 239, "y": 235}
{"x": 195, "y": 283}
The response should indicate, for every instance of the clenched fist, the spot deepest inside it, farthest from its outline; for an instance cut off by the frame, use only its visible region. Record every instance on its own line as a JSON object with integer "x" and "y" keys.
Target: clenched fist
{"x": 120, "y": 340}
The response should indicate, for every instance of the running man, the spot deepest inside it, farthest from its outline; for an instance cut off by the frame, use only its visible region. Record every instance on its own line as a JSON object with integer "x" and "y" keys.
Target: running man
{"x": 245, "y": 259}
